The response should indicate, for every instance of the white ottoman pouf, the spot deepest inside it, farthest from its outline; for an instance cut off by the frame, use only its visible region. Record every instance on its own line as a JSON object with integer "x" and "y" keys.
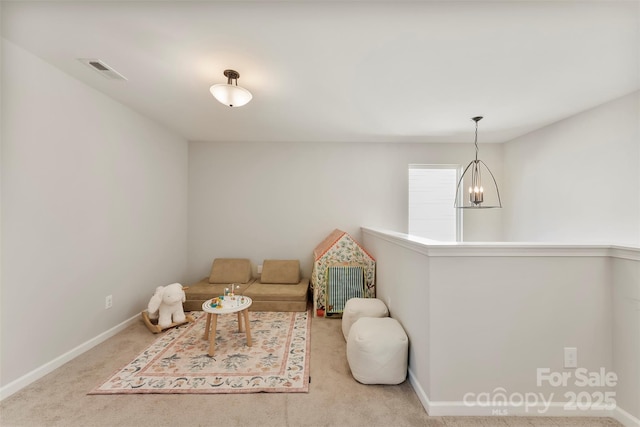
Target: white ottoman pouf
{"x": 378, "y": 351}
{"x": 356, "y": 308}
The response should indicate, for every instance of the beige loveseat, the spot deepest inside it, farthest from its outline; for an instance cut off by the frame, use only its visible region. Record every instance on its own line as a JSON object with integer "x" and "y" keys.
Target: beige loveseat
{"x": 280, "y": 287}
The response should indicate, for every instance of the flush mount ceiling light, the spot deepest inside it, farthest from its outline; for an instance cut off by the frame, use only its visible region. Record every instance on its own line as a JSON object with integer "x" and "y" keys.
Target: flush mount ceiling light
{"x": 230, "y": 94}
{"x": 479, "y": 197}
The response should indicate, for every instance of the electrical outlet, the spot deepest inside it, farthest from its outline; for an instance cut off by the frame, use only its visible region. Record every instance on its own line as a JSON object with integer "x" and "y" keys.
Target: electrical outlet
{"x": 259, "y": 268}
{"x": 108, "y": 302}
{"x": 570, "y": 357}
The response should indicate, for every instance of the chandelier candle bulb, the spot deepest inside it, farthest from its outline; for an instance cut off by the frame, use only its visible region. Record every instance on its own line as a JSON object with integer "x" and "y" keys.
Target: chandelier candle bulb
{"x": 476, "y": 196}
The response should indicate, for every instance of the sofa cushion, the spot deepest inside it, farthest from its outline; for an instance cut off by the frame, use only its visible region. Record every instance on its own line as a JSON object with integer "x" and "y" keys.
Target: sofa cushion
{"x": 271, "y": 292}
{"x": 230, "y": 270}
{"x": 281, "y": 272}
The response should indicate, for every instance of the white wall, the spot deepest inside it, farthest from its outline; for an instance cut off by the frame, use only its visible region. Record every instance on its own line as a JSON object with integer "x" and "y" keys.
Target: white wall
{"x": 497, "y": 328}
{"x": 94, "y": 202}
{"x": 522, "y": 305}
{"x": 626, "y": 333}
{"x": 577, "y": 180}
{"x": 279, "y": 200}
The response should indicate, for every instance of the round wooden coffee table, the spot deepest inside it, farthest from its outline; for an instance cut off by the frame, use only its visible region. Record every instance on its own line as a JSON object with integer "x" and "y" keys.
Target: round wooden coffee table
{"x": 238, "y": 305}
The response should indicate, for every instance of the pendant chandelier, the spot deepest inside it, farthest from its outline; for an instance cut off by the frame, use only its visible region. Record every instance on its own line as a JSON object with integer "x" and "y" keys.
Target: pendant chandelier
{"x": 477, "y": 195}
{"x": 230, "y": 94}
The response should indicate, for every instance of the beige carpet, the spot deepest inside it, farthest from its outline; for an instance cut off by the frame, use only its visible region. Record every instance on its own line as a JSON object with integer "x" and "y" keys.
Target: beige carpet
{"x": 334, "y": 398}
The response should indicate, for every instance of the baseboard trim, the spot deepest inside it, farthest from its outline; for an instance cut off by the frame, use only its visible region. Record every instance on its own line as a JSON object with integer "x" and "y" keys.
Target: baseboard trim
{"x": 417, "y": 387}
{"x": 556, "y": 409}
{"x": 625, "y": 418}
{"x": 36, "y": 374}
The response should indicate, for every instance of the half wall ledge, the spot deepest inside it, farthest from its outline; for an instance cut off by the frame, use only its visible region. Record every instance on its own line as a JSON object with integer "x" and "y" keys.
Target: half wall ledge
{"x": 486, "y": 317}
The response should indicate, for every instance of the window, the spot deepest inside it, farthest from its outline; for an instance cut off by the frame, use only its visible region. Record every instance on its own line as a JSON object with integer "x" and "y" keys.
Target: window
{"x": 432, "y": 190}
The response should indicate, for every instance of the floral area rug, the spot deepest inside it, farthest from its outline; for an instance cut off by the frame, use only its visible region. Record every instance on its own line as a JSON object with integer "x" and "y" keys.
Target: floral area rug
{"x": 177, "y": 362}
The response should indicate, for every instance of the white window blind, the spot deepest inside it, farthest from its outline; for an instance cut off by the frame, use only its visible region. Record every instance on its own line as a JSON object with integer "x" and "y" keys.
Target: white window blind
{"x": 432, "y": 190}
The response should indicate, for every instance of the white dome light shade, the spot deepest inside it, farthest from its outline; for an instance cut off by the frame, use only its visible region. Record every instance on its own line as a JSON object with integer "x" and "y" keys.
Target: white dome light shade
{"x": 231, "y": 95}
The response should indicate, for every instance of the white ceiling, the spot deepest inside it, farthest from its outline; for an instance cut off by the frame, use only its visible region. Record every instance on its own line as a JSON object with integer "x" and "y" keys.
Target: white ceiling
{"x": 344, "y": 71}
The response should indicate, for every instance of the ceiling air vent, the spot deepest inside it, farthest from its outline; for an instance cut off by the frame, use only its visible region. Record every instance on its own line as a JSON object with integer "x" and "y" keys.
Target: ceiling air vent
{"x": 102, "y": 68}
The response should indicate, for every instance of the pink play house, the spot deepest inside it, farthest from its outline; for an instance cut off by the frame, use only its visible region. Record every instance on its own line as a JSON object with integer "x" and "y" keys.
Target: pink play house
{"x": 342, "y": 269}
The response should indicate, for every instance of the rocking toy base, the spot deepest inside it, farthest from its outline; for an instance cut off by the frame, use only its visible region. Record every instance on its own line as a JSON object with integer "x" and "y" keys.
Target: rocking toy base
{"x": 153, "y": 326}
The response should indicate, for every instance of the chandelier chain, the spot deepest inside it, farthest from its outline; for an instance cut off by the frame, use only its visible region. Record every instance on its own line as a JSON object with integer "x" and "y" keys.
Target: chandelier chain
{"x": 476, "y": 141}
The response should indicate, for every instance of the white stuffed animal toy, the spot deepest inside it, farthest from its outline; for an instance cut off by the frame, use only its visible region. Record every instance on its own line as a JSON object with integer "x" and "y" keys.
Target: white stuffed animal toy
{"x": 166, "y": 304}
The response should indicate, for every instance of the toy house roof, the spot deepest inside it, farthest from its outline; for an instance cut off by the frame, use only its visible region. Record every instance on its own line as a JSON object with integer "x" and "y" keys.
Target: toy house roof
{"x": 335, "y": 239}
